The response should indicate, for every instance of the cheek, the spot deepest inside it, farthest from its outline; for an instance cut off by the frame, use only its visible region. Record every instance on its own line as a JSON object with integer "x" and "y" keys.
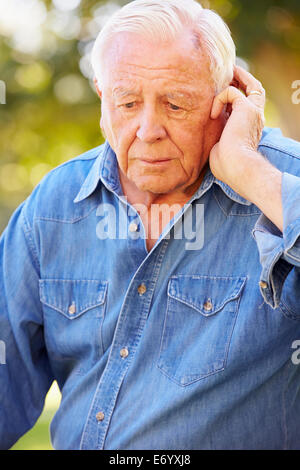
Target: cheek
{"x": 107, "y": 128}
{"x": 120, "y": 135}
{"x": 213, "y": 131}
{"x": 112, "y": 128}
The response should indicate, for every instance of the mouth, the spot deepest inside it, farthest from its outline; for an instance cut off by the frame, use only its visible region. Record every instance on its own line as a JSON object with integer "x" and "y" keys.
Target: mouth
{"x": 160, "y": 161}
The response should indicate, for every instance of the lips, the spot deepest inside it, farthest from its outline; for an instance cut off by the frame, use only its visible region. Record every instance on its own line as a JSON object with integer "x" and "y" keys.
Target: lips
{"x": 153, "y": 161}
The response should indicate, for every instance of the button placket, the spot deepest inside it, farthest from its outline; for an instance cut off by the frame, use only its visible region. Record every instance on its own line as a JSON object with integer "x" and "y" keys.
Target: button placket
{"x": 127, "y": 333}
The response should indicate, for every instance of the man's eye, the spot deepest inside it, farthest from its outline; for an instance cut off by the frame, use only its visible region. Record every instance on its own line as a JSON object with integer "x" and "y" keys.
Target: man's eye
{"x": 174, "y": 107}
{"x": 129, "y": 105}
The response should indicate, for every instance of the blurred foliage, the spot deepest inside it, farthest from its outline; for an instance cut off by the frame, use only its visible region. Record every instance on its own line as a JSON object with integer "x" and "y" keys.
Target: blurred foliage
{"x": 38, "y": 438}
{"x": 52, "y": 111}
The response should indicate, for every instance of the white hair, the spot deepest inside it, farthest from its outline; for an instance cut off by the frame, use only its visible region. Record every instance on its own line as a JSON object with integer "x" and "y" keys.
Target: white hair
{"x": 165, "y": 20}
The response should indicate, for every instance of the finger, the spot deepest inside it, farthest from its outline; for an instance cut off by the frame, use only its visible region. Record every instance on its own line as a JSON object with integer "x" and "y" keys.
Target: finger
{"x": 246, "y": 80}
{"x": 228, "y": 96}
{"x": 248, "y": 83}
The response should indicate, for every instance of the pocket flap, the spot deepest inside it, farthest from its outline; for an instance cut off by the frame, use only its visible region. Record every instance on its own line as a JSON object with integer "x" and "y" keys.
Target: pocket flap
{"x": 206, "y": 294}
{"x": 72, "y": 298}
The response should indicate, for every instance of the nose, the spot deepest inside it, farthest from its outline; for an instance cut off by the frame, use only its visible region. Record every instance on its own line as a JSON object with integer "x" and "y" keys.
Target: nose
{"x": 151, "y": 128}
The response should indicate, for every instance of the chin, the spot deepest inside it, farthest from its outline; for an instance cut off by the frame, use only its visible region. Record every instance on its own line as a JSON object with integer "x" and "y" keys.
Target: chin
{"x": 154, "y": 187}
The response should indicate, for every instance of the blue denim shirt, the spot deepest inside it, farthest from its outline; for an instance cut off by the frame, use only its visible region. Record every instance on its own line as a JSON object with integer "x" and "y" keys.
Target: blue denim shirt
{"x": 188, "y": 346}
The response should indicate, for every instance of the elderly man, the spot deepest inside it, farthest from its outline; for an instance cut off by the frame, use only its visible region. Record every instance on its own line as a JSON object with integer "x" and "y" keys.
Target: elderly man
{"x": 173, "y": 328}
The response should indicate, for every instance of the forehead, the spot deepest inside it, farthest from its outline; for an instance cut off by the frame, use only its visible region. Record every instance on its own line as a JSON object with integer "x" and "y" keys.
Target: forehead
{"x": 132, "y": 58}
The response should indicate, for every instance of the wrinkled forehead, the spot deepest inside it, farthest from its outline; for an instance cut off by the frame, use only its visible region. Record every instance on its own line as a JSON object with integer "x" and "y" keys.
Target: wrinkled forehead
{"x": 134, "y": 56}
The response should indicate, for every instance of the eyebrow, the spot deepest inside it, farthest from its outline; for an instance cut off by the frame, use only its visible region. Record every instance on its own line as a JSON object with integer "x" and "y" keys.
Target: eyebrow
{"x": 123, "y": 92}
{"x": 183, "y": 95}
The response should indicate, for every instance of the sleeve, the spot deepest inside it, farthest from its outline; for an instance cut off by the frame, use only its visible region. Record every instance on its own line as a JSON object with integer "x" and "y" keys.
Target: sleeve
{"x": 25, "y": 373}
{"x": 280, "y": 252}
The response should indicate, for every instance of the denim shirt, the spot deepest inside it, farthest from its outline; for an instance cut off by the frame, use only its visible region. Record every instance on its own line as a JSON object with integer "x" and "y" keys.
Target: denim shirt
{"x": 189, "y": 346}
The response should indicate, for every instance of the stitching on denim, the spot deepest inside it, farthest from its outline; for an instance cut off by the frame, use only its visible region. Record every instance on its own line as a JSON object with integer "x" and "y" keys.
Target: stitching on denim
{"x": 233, "y": 326}
{"x": 219, "y": 204}
{"x": 280, "y": 149}
{"x": 284, "y": 414}
{"x": 197, "y": 379}
{"x": 289, "y": 231}
{"x": 155, "y": 274}
{"x": 67, "y": 221}
{"x": 59, "y": 308}
{"x": 191, "y": 304}
{"x": 289, "y": 255}
{"x": 200, "y": 276}
{"x": 232, "y": 214}
{"x": 27, "y": 230}
{"x": 162, "y": 349}
{"x": 75, "y": 280}
{"x": 288, "y": 312}
{"x": 73, "y": 317}
{"x": 89, "y": 420}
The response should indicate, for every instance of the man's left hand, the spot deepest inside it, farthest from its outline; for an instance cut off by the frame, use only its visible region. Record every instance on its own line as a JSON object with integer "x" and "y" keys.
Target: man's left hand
{"x": 235, "y": 159}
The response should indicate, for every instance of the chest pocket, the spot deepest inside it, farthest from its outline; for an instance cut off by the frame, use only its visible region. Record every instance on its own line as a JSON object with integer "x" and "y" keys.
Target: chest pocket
{"x": 199, "y": 322}
{"x": 73, "y": 315}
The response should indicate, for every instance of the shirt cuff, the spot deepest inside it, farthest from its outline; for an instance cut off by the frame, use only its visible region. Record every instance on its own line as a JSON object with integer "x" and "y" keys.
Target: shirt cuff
{"x": 279, "y": 251}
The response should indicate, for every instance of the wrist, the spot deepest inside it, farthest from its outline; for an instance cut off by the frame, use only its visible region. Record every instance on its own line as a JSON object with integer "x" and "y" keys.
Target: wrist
{"x": 250, "y": 171}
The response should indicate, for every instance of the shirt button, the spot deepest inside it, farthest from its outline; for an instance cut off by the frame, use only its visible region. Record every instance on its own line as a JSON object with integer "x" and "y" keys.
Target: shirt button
{"x": 100, "y": 416}
{"x": 208, "y": 306}
{"x": 142, "y": 289}
{"x": 72, "y": 309}
{"x": 263, "y": 285}
{"x": 133, "y": 227}
{"x": 124, "y": 352}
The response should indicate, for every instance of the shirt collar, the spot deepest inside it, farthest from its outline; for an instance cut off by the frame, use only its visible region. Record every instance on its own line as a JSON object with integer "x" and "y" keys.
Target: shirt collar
{"x": 105, "y": 169}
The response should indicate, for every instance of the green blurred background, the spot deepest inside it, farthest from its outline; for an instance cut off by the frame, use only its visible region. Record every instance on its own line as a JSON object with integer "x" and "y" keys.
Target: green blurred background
{"x": 51, "y": 111}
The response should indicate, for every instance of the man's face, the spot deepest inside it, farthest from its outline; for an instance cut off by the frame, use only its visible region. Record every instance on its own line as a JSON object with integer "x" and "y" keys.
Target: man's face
{"x": 156, "y": 103}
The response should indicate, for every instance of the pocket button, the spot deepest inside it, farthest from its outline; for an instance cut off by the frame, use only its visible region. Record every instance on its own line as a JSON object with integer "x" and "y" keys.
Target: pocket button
{"x": 72, "y": 309}
{"x": 208, "y": 306}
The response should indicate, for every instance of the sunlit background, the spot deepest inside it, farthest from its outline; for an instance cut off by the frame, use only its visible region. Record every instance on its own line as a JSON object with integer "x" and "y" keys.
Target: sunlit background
{"x": 51, "y": 111}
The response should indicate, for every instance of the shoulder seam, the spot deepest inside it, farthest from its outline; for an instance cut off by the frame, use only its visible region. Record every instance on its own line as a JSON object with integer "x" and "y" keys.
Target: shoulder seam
{"x": 30, "y": 240}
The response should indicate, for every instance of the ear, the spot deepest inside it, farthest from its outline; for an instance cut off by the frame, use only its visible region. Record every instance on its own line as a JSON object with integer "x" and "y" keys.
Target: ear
{"x": 99, "y": 92}
{"x": 235, "y": 83}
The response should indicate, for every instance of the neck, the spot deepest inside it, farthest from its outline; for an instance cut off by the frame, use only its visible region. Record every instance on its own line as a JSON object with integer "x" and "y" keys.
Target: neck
{"x": 146, "y": 198}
